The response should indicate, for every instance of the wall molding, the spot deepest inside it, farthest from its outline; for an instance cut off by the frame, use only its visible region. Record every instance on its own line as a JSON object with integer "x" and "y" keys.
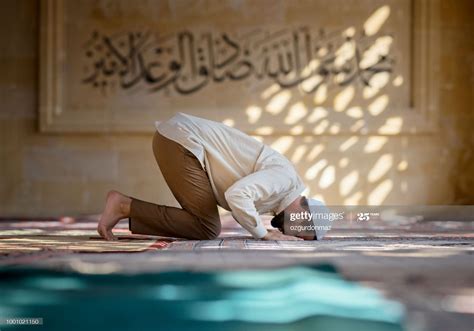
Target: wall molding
{"x": 422, "y": 117}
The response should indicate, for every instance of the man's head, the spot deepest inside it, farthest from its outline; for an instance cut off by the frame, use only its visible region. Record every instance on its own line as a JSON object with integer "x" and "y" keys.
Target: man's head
{"x": 296, "y": 214}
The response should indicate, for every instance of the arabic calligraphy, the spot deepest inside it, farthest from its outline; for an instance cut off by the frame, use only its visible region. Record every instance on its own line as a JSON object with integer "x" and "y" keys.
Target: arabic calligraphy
{"x": 186, "y": 62}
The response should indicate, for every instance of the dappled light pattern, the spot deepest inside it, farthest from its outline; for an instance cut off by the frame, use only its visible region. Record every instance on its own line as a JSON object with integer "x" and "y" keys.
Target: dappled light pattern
{"x": 86, "y": 242}
{"x": 326, "y": 134}
{"x": 55, "y": 237}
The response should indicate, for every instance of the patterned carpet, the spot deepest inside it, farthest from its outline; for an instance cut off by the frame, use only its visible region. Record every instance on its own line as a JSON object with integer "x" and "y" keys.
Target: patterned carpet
{"x": 78, "y": 235}
{"x": 426, "y": 265}
{"x": 67, "y": 235}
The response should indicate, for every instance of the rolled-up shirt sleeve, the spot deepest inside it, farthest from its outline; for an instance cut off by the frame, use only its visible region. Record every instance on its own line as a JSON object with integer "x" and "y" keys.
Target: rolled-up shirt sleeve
{"x": 241, "y": 197}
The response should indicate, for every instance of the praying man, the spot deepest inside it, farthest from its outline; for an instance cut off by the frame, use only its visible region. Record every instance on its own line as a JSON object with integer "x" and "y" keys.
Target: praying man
{"x": 208, "y": 164}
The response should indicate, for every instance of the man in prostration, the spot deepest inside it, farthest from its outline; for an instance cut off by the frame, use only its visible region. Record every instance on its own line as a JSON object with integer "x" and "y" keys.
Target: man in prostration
{"x": 208, "y": 164}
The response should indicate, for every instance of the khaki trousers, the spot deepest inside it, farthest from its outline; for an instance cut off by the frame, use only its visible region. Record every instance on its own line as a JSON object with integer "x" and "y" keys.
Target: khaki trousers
{"x": 198, "y": 218}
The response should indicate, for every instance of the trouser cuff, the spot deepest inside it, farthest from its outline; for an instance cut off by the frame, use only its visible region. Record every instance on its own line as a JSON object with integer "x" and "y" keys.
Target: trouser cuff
{"x": 139, "y": 221}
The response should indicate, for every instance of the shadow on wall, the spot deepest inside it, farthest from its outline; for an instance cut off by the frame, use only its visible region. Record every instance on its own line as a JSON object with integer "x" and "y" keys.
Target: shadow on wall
{"x": 356, "y": 169}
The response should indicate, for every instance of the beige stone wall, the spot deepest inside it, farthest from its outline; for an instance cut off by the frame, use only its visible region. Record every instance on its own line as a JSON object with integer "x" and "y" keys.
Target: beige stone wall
{"x": 53, "y": 174}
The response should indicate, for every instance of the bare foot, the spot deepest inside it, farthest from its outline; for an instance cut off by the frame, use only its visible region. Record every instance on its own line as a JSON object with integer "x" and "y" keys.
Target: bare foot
{"x": 117, "y": 206}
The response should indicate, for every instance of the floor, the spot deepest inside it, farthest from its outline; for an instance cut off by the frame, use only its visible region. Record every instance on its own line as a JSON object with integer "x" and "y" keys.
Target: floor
{"x": 427, "y": 266}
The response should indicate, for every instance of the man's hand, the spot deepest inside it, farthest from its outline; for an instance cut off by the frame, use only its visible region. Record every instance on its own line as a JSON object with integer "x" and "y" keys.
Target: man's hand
{"x": 277, "y": 235}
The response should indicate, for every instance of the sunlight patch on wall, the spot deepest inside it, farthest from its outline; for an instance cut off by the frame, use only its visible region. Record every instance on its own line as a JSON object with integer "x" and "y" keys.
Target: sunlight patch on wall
{"x": 379, "y": 80}
{"x": 355, "y": 112}
{"x": 253, "y": 114}
{"x": 347, "y": 184}
{"x": 343, "y": 98}
{"x": 376, "y": 83}
{"x": 402, "y": 166}
{"x": 378, "y": 105}
{"x": 315, "y": 152}
{"x": 373, "y": 24}
{"x": 270, "y": 91}
{"x": 264, "y": 130}
{"x": 297, "y": 130}
{"x": 296, "y": 113}
{"x": 299, "y": 153}
{"x": 375, "y": 144}
{"x": 317, "y": 114}
{"x": 392, "y": 125}
{"x": 282, "y": 144}
{"x": 319, "y": 129}
{"x": 310, "y": 83}
{"x": 348, "y": 143}
{"x": 314, "y": 170}
{"x": 380, "y": 193}
{"x": 381, "y": 47}
{"x": 349, "y": 32}
{"x": 398, "y": 81}
{"x": 327, "y": 177}
{"x": 369, "y": 92}
{"x": 323, "y": 51}
{"x": 311, "y": 67}
{"x": 344, "y": 53}
{"x": 321, "y": 94}
{"x": 380, "y": 168}
{"x": 278, "y": 102}
{"x": 357, "y": 126}
{"x": 335, "y": 128}
{"x": 344, "y": 162}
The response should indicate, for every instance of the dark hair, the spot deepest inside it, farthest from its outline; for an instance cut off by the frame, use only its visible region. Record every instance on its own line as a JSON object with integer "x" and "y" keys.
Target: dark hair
{"x": 278, "y": 220}
{"x": 304, "y": 203}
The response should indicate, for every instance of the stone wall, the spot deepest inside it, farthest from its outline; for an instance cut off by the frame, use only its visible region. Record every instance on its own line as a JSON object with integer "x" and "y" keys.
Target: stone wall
{"x": 70, "y": 173}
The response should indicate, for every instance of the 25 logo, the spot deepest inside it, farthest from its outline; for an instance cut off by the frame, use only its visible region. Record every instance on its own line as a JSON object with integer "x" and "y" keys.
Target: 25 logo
{"x": 363, "y": 216}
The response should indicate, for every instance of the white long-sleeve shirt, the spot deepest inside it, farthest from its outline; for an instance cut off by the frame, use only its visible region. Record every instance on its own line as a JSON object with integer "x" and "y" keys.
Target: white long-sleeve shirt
{"x": 247, "y": 177}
